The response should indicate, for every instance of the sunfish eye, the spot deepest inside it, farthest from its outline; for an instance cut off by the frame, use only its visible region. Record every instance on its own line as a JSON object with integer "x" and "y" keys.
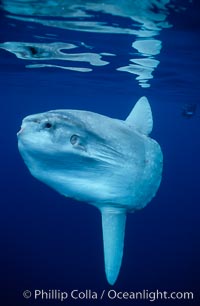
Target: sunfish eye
{"x": 74, "y": 139}
{"x": 47, "y": 125}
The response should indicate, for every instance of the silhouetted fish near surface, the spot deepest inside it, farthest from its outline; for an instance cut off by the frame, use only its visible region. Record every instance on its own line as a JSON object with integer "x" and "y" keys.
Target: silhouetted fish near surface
{"x": 189, "y": 110}
{"x": 109, "y": 163}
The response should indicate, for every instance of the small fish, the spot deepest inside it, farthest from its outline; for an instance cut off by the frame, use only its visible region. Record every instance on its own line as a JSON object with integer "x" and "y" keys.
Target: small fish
{"x": 189, "y": 110}
{"x": 109, "y": 163}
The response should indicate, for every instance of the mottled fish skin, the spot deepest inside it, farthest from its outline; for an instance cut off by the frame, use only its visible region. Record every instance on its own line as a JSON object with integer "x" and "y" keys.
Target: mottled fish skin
{"x": 106, "y": 162}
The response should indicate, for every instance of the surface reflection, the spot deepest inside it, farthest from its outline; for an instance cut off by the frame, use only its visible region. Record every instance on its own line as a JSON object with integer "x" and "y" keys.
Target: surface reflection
{"x": 143, "y": 20}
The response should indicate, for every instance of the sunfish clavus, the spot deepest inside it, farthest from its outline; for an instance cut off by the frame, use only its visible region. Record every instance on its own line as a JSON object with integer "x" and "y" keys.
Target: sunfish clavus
{"x": 109, "y": 163}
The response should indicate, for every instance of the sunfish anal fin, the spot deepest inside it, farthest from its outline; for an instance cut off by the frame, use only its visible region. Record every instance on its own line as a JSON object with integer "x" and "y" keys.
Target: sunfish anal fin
{"x": 113, "y": 226}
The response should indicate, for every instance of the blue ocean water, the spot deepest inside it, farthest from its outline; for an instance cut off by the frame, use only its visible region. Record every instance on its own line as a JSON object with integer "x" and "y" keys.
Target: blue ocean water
{"x": 101, "y": 57}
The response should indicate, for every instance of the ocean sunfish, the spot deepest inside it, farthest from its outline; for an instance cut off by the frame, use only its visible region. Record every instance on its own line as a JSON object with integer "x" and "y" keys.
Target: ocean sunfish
{"x": 109, "y": 163}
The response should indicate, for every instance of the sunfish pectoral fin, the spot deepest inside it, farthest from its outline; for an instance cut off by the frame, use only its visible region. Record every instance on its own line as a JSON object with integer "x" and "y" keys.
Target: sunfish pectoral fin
{"x": 113, "y": 226}
{"x": 141, "y": 117}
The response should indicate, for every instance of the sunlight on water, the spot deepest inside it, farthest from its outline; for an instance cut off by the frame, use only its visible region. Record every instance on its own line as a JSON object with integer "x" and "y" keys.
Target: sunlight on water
{"x": 142, "y": 20}
{"x": 37, "y": 51}
{"x": 79, "y": 69}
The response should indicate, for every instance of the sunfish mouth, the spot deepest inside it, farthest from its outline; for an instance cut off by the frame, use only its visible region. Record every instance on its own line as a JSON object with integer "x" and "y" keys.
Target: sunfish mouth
{"x": 20, "y": 131}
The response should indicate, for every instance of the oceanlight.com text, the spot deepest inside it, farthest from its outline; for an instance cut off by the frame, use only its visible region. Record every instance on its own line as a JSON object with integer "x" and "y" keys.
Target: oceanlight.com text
{"x": 88, "y": 294}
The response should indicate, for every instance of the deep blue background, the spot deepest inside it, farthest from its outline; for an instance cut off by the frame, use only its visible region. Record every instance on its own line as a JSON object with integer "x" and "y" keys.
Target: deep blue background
{"x": 50, "y": 242}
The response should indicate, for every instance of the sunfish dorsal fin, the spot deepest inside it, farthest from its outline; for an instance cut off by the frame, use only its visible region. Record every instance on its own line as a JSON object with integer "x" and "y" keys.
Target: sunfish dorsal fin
{"x": 141, "y": 117}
